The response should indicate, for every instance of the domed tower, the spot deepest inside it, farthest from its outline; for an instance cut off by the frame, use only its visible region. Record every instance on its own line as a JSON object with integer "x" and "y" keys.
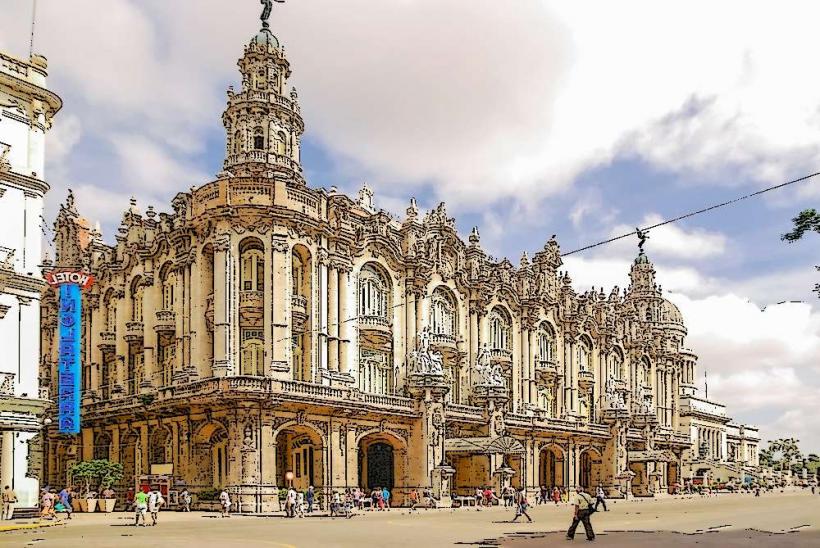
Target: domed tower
{"x": 262, "y": 121}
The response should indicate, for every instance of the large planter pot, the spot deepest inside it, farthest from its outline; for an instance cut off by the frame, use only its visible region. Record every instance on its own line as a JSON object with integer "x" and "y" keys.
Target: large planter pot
{"x": 92, "y": 505}
{"x": 81, "y": 505}
{"x": 107, "y": 505}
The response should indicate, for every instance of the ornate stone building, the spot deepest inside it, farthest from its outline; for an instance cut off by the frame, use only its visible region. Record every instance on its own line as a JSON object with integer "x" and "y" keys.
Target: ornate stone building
{"x": 27, "y": 109}
{"x": 265, "y": 330}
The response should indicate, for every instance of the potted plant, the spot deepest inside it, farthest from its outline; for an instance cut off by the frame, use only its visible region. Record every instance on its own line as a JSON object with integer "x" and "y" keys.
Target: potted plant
{"x": 85, "y": 473}
{"x": 110, "y": 473}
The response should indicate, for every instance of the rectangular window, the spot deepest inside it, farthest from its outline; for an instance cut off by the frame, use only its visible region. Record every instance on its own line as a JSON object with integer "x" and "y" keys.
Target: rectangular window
{"x": 298, "y": 465}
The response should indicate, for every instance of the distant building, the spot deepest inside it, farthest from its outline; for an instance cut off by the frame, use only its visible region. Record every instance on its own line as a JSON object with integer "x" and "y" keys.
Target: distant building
{"x": 27, "y": 108}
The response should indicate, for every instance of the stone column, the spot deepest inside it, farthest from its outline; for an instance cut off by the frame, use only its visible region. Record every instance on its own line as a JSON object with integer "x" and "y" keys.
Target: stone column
{"x": 150, "y": 296}
{"x": 121, "y": 360}
{"x": 281, "y": 290}
{"x": 345, "y": 321}
{"x": 179, "y": 315}
{"x": 223, "y": 286}
{"x": 198, "y": 326}
{"x": 333, "y": 319}
{"x": 95, "y": 355}
{"x": 410, "y": 320}
{"x": 525, "y": 366}
{"x": 7, "y": 459}
{"x": 473, "y": 342}
{"x": 322, "y": 358}
{"x": 533, "y": 388}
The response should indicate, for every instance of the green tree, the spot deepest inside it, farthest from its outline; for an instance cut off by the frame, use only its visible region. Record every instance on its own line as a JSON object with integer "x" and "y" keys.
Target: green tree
{"x": 807, "y": 221}
{"x": 788, "y": 451}
{"x": 96, "y": 474}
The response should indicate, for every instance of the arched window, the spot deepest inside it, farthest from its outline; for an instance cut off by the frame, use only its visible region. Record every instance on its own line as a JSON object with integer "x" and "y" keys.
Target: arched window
{"x": 111, "y": 313}
{"x": 583, "y": 354}
{"x": 443, "y": 315}
{"x": 500, "y": 329}
{"x": 169, "y": 282}
{"x": 237, "y": 142}
{"x": 547, "y": 400}
{"x": 137, "y": 292}
{"x": 252, "y": 354}
{"x": 616, "y": 362}
{"x": 252, "y": 265}
{"x": 282, "y": 143}
{"x": 546, "y": 343}
{"x": 373, "y": 293}
{"x": 259, "y": 138}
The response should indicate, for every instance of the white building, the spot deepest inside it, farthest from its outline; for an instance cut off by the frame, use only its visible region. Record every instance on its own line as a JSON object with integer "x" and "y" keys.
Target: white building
{"x": 26, "y": 112}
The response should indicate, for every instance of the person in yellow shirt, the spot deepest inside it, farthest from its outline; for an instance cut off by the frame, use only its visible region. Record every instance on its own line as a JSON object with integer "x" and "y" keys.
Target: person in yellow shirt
{"x": 582, "y": 504}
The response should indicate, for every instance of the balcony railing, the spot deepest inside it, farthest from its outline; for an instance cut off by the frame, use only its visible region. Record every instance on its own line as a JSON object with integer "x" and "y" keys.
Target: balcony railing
{"x": 469, "y": 411}
{"x": 108, "y": 339}
{"x": 134, "y": 331}
{"x": 251, "y": 299}
{"x": 586, "y": 379}
{"x": 299, "y": 303}
{"x": 374, "y": 321}
{"x": 442, "y": 338}
{"x": 547, "y": 369}
{"x": 166, "y": 321}
{"x": 501, "y": 354}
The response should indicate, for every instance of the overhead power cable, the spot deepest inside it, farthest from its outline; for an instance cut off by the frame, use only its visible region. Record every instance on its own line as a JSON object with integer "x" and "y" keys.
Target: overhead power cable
{"x": 692, "y": 214}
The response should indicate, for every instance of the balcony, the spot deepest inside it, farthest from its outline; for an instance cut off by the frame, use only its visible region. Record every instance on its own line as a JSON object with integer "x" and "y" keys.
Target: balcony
{"x": 379, "y": 323}
{"x": 547, "y": 369}
{"x": 299, "y": 312}
{"x": 209, "y": 310}
{"x": 444, "y": 339}
{"x": 108, "y": 340}
{"x": 251, "y": 305}
{"x": 501, "y": 355}
{"x": 134, "y": 331}
{"x": 166, "y": 321}
{"x": 586, "y": 379}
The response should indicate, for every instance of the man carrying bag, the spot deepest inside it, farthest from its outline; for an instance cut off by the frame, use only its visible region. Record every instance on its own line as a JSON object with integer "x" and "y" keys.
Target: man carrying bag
{"x": 584, "y": 505}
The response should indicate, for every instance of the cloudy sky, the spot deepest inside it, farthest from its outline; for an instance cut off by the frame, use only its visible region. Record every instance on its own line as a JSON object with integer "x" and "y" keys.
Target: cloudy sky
{"x": 528, "y": 118}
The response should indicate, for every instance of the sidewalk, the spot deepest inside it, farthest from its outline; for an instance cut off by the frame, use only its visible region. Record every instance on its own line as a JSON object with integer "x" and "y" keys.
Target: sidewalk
{"x": 33, "y": 524}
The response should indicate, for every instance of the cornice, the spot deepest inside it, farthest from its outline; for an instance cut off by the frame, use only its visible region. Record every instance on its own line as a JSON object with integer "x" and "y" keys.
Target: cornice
{"x": 49, "y": 97}
{"x": 25, "y": 182}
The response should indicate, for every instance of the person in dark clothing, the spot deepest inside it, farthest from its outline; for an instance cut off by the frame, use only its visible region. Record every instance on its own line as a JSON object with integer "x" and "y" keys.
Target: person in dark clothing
{"x": 583, "y": 507}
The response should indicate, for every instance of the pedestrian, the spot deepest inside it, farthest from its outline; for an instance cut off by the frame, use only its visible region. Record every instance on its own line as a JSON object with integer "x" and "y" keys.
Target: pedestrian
{"x": 311, "y": 494}
{"x": 185, "y": 499}
{"x": 140, "y": 508}
{"x": 582, "y": 508}
{"x": 413, "y": 497}
{"x": 335, "y": 504}
{"x": 225, "y": 504}
{"x": 543, "y": 495}
{"x": 300, "y": 504}
{"x": 65, "y": 499}
{"x": 556, "y": 495}
{"x": 291, "y": 502}
{"x": 521, "y": 505}
{"x": 9, "y": 500}
{"x": 600, "y": 498}
{"x": 386, "y": 498}
{"x": 46, "y": 504}
{"x": 507, "y": 496}
{"x": 155, "y": 502}
{"x": 479, "y": 498}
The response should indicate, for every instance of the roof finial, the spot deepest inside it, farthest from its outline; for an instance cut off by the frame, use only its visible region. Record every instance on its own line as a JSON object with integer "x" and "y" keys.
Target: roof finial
{"x": 642, "y": 237}
{"x": 266, "y": 11}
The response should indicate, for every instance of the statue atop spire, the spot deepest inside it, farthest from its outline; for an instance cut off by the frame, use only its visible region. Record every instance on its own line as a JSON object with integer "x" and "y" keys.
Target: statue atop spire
{"x": 266, "y": 11}
{"x": 642, "y": 237}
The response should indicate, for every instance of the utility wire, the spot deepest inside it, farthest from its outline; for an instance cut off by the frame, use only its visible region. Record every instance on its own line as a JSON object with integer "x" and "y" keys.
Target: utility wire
{"x": 692, "y": 213}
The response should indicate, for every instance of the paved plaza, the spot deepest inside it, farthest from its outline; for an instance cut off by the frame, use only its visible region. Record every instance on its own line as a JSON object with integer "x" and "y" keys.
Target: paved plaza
{"x": 788, "y": 519}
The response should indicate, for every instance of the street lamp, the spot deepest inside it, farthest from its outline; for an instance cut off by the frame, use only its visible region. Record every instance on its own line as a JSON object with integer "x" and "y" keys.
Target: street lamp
{"x": 289, "y": 478}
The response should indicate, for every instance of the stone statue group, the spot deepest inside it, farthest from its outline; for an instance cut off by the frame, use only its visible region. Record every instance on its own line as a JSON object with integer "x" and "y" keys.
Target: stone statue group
{"x": 424, "y": 360}
{"x": 489, "y": 374}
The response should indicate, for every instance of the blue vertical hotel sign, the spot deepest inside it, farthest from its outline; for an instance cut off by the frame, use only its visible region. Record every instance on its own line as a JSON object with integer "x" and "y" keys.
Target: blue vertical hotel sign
{"x": 69, "y": 364}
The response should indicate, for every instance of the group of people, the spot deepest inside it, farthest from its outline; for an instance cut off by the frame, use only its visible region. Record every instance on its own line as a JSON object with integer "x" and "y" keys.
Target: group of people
{"x": 147, "y": 501}
{"x": 53, "y": 503}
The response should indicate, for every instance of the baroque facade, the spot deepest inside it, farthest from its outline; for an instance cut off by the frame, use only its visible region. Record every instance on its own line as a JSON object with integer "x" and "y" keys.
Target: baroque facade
{"x": 27, "y": 109}
{"x": 266, "y": 333}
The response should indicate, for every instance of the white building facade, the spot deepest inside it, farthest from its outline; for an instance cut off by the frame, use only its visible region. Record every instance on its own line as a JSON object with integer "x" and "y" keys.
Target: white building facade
{"x": 26, "y": 112}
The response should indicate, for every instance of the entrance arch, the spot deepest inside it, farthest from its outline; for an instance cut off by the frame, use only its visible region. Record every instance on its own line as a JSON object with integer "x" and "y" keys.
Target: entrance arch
{"x": 299, "y": 450}
{"x": 590, "y": 473}
{"x": 551, "y": 467}
{"x": 380, "y": 463}
{"x": 211, "y": 455}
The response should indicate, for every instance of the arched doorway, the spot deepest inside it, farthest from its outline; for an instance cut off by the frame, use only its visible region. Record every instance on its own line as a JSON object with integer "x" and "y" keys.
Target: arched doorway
{"x": 160, "y": 447}
{"x": 590, "y": 469}
{"x": 211, "y": 453}
{"x": 128, "y": 457}
{"x": 299, "y": 450}
{"x": 379, "y": 462}
{"x": 551, "y": 467}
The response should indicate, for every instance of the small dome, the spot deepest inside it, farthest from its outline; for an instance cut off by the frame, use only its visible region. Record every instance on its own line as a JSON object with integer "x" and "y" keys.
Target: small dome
{"x": 670, "y": 313}
{"x": 641, "y": 258}
{"x": 265, "y": 38}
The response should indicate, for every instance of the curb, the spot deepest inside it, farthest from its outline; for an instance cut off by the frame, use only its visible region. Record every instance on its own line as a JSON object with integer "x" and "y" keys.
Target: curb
{"x": 24, "y": 526}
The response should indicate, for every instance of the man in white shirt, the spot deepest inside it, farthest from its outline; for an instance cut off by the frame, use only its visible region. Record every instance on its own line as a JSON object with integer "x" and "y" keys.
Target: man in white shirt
{"x": 600, "y": 498}
{"x": 291, "y": 502}
{"x": 155, "y": 501}
{"x": 225, "y": 501}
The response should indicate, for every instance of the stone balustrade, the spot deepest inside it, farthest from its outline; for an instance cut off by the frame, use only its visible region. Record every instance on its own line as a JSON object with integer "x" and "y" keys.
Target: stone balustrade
{"x": 166, "y": 321}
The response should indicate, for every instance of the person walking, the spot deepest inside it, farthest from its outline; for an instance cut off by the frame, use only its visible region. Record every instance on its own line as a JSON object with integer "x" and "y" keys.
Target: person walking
{"x": 521, "y": 505}
{"x": 600, "y": 498}
{"x": 311, "y": 494}
{"x": 9, "y": 500}
{"x": 64, "y": 497}
{"x": 300, "y": 504}
{"x": 185, "y": 499}
{"x": 225, "y": 504}
{"x": 290, "y": 505}
{"x": 556, "y": 495}
{"x": 386, "y": 498}
{"x": 155, "y": 502}
{"x": 582, "y": 508}
{"x": 140, "y": 508}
